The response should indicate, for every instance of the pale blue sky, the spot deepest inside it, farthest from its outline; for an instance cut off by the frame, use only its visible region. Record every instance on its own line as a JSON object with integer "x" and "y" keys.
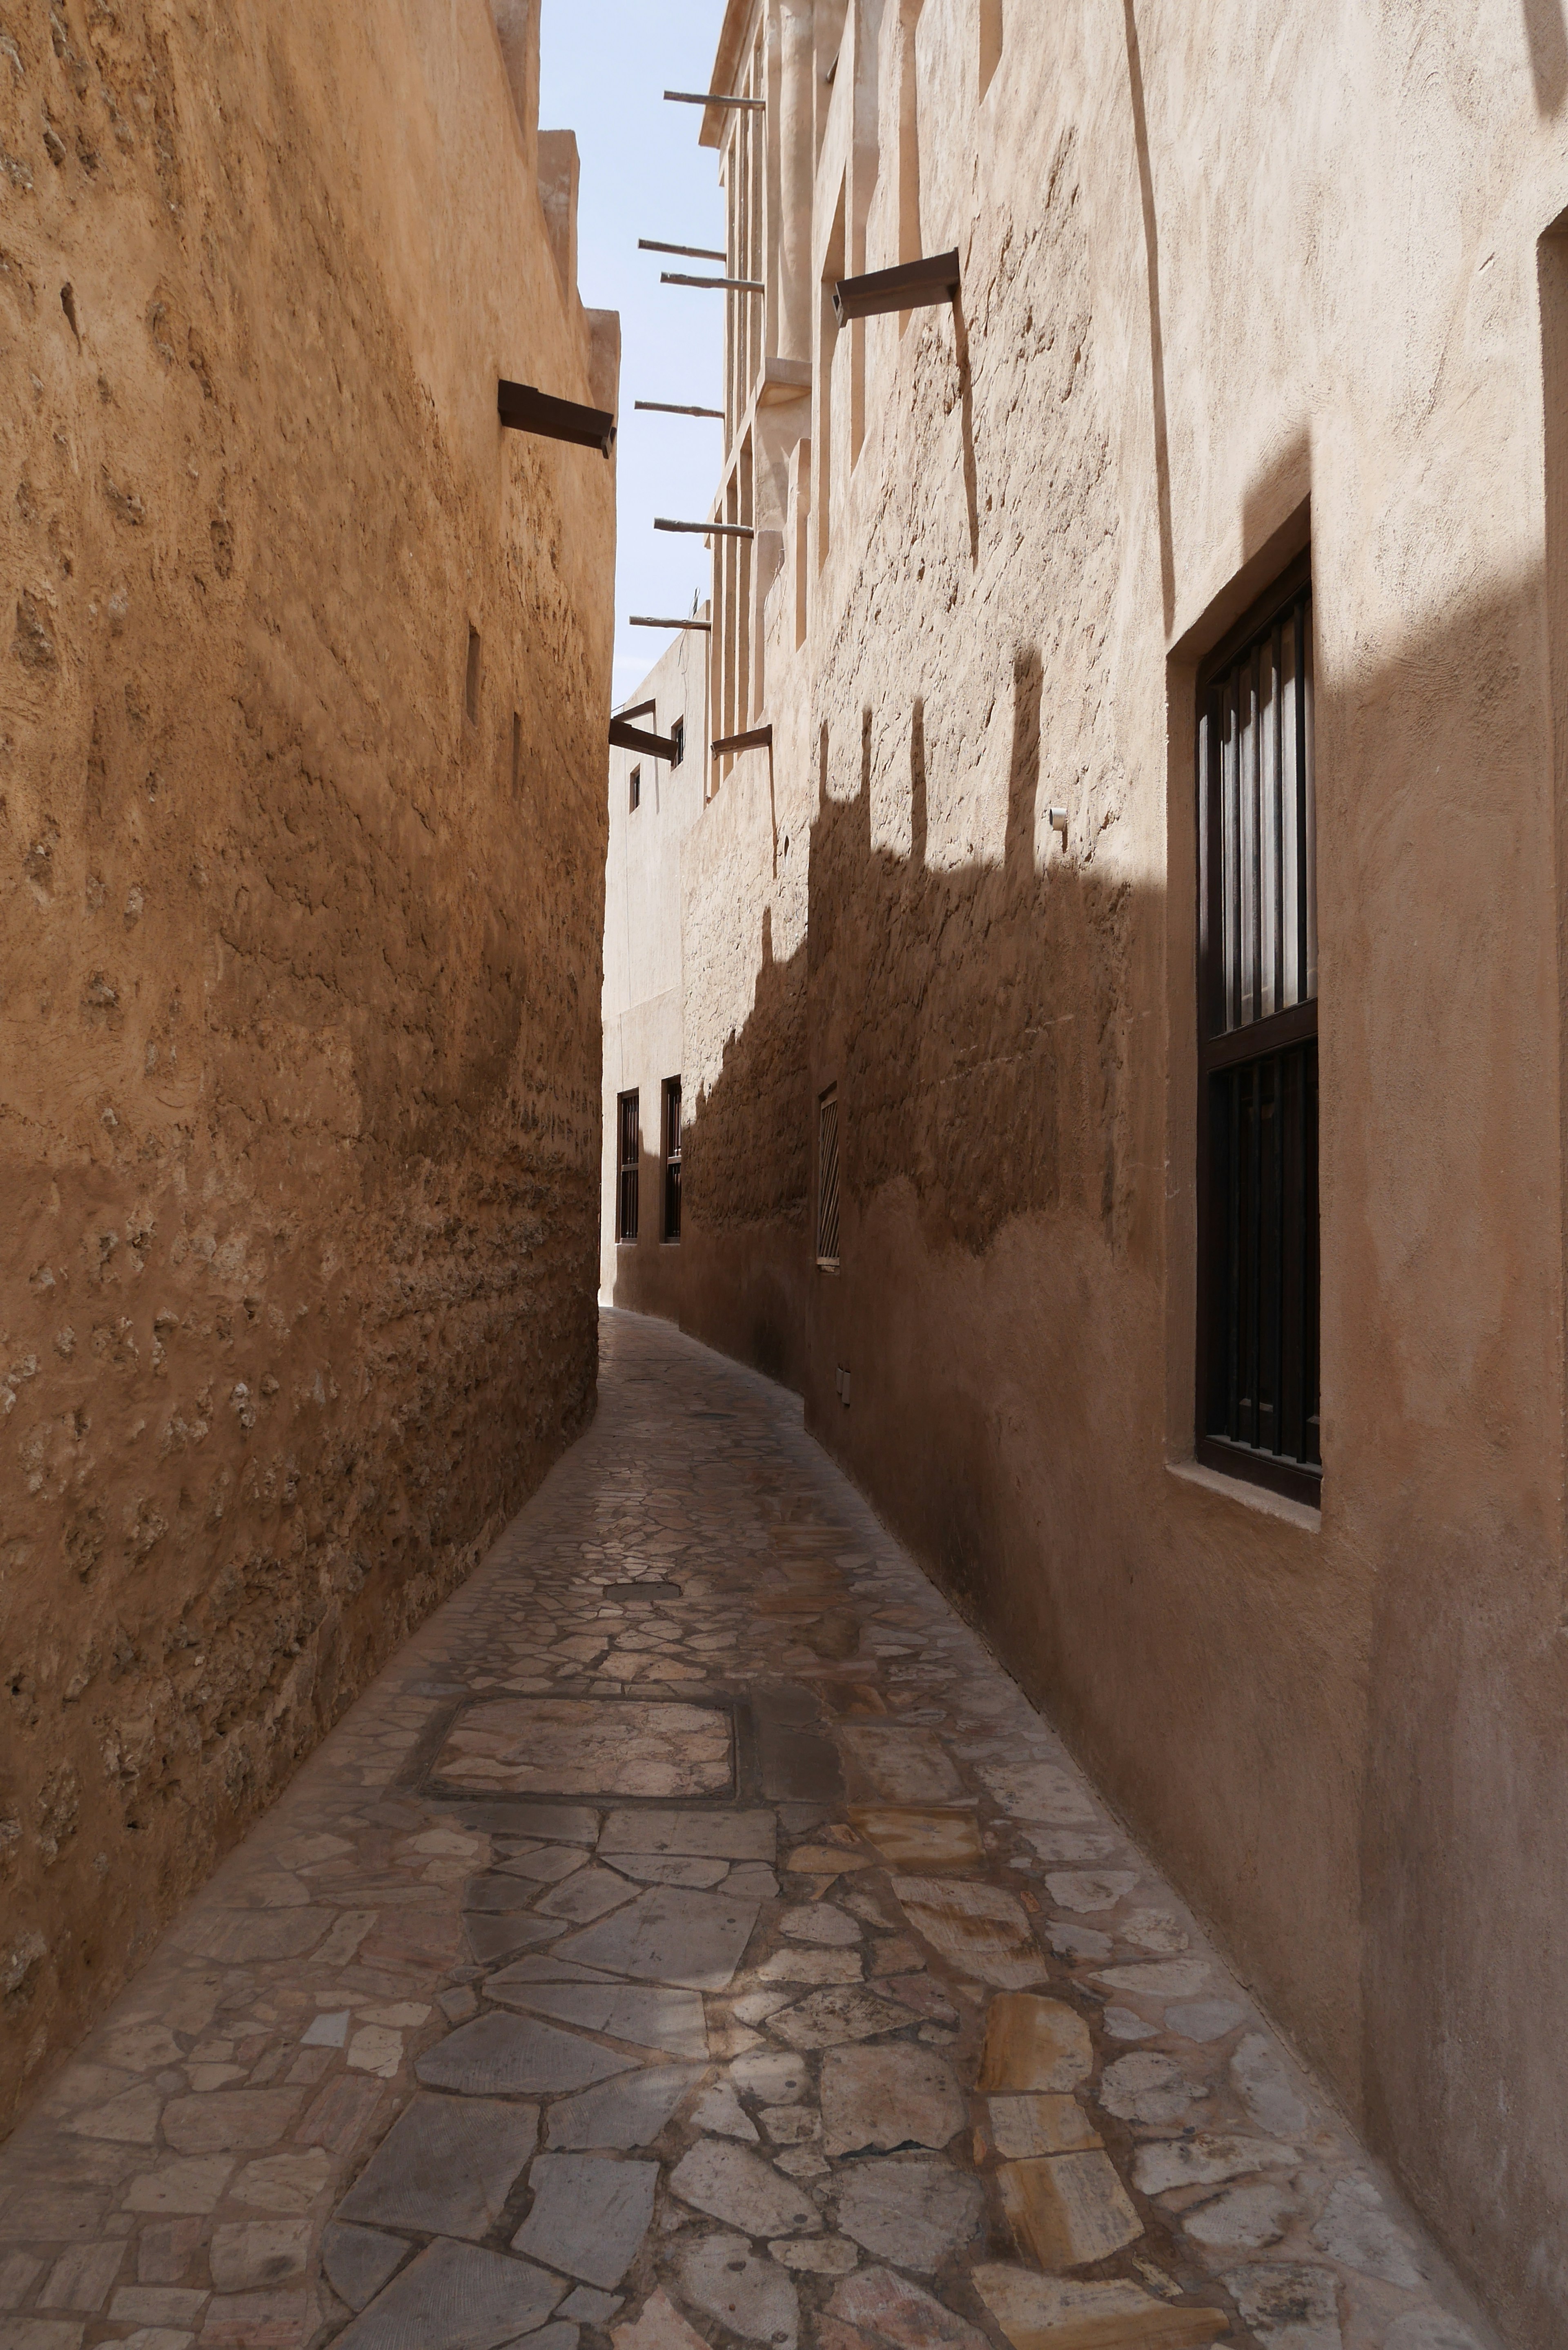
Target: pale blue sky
{"x": 605, "y": 66}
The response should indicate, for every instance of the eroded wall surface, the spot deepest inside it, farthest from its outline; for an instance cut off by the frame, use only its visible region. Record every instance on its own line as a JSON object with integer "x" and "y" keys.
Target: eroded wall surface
{"x": 301, "y": 914}
{"x": 1231, "y": 285}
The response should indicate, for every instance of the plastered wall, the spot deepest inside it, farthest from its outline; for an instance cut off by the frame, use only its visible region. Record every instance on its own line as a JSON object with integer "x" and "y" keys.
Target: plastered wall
{"x": 1232, "y": 284}
{"x": 300, "y": 909}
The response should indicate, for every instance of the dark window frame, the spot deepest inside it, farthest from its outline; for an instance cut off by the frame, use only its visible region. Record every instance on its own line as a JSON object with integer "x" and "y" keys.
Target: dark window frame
{"x": 1259, "y": 1266}
{"x": 670, "y": 1232}
{"x": 677, "y": 741}
{"x": 828, "y": 1163}
{"x": 634, "y": 790}
{"x": 628, "y": 1166}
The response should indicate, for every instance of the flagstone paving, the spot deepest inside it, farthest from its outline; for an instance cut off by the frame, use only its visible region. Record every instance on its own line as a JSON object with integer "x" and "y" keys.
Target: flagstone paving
{"x": 695, "y": 1937}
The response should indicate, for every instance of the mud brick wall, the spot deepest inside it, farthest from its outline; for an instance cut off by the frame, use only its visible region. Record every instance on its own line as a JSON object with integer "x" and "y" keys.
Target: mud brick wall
{"x": 306, "y": 677}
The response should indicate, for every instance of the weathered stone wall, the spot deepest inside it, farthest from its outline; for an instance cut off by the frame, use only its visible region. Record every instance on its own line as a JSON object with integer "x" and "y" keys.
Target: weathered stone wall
{"x": 299, "y": 939}
{"x": 1230, "y": 284}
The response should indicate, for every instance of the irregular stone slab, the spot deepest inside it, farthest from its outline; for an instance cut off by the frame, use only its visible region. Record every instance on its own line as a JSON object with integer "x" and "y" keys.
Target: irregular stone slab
{"x": 876, "y": 2099}
{"x": 594, "y": 2308}
{"x": 719, "y": 2112}
{"x": 544, "y": 1967}
{"x": 704, "y": 1836}
{"x": 1040, "y": 1791}
{"x": 1266, "y": 2089}
{"x": 979, "y": 1928}
{"x": 915, "y": 2212}
{"x": 514, "y": 2056}
{"x": 797, "y": 1966}
{"x": 1288, "y": 2308}
{"x": 1038, "y": 2312}
{"x": 499, "y": 1889}
{"x": 1244, "y": 2219}
{"x": 589, "y": 1894}
{"x": 456, "y": 2295}
{"x": 830, "y": 2018}
{"x": 769, "y": 2075}
{"x": 827, "y": 1860}
{"x": 358, "y": 2261}
{"x": 671, "y": 1869}
{"x": 1146, "y": 2088}
{"x": 247, "y": 2253}
{"x": 629, "y": 2112}
{"x": 731, "y": 2184}
{"x": 758, "y": 2005}
{"x": 1204, "y": 2020}
{"x": 822, "y": 1923}
{"x": 546, "y": 1867}
{"x": 446, "y": 2168}
{"x": 1159, "y": 1930}
{"x": 129, "y": 2119}
{"x": 651, "y": 2018}
{"x": 660, "y": 2327}
{"x": 240, "y": 1938}
{"x": 492, "y": 1939}
{"x": 1429, "y": 2329}
{"x": 1206, "y": 2161}
{"x": 897, "y": 1766}
{"x": 691, "y": 1940}
{"x": 1021, "y": 2127}
{"x": 1357, "y": 2229}
{"x": 282, "y": 2182}
{"x": 1122, "y": 2023}
{"x": 588, "y": 2216}
{"x": 1033, "y": 2043}
{"x": 1077, "y": 1944}
{"x": 229, "y": 2118}
{"x": 817, "y": 2255}
{"x": 599, "y": 1746}
{"x": 1068, "y": 2209}
{"x": 245, "y": 2320}
{"x": 750, "y": 1881}
{"x": 557, "y": 1823}
{"x": 752, "y": 2296}
{"x": 80, "y": 2279}
{"x": 1160, "y": 1979}
{"x": 1088, "y": 1890}
{"x": 884, "y": 2305}
{"x": 920, "y": 1838}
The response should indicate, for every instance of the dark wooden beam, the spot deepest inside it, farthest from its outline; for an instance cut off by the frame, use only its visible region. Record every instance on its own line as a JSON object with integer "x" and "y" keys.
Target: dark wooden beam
{"x": 637, "y": 710}
{"x": 715, "y": 284}
{"x": 667, "y": 408}
{"x": 631, "y": 738}
{"x": 913, "y": 286}
{"x": 757, "y": 738}
{"x": 524, "y": 410}
{"x": 691, "y": 252}
{"x": 710, "y": 98}
{"x": 640, "y": 620}
{"x": 709, "y": 529}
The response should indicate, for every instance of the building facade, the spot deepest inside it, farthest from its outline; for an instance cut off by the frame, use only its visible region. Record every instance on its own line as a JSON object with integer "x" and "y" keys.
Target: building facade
{"x": 307, "y": 673}
{"x": 1122, "y": 984}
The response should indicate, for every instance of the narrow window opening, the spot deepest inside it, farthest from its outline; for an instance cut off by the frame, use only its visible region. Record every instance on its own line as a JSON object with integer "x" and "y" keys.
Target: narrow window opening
{"x": 827, "y": 1181}
{"x": 990, "y": 40}
{"x": 678, "y": 742}
{"x": 470, "y": 681}
{"x": 630, "y": 1153}
{"x": 516, "y": 754}
{"x": 672, "y": 1159}
{"x": 635, "y": 795}
{"x": 1258, "y": 1402}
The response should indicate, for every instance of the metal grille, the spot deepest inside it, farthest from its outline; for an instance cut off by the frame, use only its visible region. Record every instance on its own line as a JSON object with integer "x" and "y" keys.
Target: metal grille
{"x": 630, "y": 1158}
{"x": 827, "y": 1180}
{"x": 672, "y": 1159}
{"x": 1258, "y": 1274}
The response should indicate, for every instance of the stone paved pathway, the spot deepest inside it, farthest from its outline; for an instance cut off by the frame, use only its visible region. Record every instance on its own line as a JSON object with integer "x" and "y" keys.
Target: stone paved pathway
{"x": 695, "y": 1937}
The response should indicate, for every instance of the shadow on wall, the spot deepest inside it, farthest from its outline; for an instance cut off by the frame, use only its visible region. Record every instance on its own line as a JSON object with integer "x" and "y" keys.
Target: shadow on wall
{"x": 1547, "y": 35}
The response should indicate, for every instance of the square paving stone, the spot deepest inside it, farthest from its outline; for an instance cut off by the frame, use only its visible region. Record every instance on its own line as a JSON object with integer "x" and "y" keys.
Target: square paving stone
{"x": 876, "y": 2099}
{"x": 1024, "y": 2126}
{"x": 512, "y": 2055}
{"x": 589, "y": 1746}
{"x": 1039, "y": 2313}
{"x": 667, "y": 1935}
{"x": 671, "y": 2020}
{"x": 1033, "y": 2044}
{"x": 589, "y": 2215}
{"x": 704, "y": 1836}
{"x": 458, "y": 2297}
{"x": 629, "y": 2112}
{"x": 446, "y": 2168}
{"x": 1068, "y": 2209}
{"x": 923, "y": 1839}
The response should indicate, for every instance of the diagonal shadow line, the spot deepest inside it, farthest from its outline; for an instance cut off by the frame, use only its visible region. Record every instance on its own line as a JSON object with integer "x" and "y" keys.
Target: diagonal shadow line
{"x": 1547, "y": 33}
{"x": 1156, "y": 331}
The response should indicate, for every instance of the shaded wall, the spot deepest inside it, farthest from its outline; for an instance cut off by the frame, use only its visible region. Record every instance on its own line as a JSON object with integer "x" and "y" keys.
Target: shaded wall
{"x": 1194, "y": 336}
{"x": 302, "y": 910}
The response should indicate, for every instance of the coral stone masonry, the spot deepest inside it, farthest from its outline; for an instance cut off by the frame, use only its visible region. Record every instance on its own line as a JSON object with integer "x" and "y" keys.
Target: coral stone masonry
{"x": 305, "y": 675}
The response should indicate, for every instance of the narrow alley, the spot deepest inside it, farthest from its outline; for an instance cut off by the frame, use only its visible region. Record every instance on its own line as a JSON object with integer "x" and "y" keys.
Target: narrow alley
{"x": 694, "y": 1926}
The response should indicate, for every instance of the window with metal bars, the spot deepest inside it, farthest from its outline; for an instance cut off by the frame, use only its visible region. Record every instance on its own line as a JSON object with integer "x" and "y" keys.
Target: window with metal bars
{"x": 1258, "y": 1124}
{"x": 827, "y": 1180}
{"x": 672, "y": 1159}
{"x": 630, "y": 1154}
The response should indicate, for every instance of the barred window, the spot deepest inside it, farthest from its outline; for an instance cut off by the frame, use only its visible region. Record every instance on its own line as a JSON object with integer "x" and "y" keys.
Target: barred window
{"x": 672, "y": 1159}
{"x": 1258, "y": 1401}
{"x": 827, "y": 1180}
{"x": 630, "y": 1155}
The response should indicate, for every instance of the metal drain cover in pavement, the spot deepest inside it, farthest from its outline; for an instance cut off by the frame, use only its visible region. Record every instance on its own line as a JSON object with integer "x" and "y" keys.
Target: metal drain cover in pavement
{"x": 588, "y": 1746}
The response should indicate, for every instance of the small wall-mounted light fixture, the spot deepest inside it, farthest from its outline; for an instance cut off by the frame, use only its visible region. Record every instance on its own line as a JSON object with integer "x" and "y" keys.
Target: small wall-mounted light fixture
{"x": 1057, "y": 820}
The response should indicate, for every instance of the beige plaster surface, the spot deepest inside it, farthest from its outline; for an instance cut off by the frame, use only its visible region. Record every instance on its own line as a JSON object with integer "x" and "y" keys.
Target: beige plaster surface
{"x": 1229, "y": 281}
{"x": 298, "y": 953}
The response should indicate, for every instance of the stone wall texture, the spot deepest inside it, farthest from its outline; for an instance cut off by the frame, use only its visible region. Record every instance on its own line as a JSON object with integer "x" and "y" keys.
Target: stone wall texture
{"x": 1234, "y": 285}
{"x": 300, "y": 908}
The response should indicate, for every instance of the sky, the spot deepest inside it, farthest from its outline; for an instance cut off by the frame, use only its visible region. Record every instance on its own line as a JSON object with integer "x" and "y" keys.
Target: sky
{"x": 605, "y": 66}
